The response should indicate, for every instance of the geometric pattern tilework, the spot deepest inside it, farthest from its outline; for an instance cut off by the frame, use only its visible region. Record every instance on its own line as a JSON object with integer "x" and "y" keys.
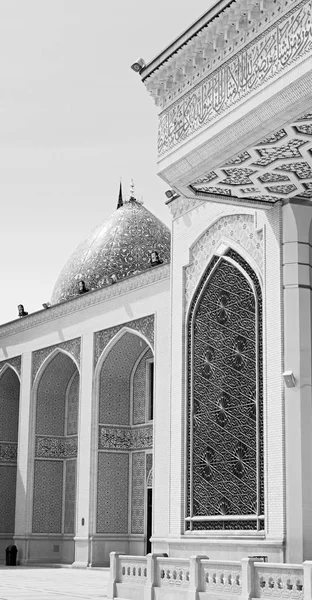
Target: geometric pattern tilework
{"x": 56, "y": 447}
{"x": 70, "y": 496}
{"x": 112, "y": 492}
{"x": 72, "y": 406}
{"x": 51, "y": 395}
{"x": 48, "y": 493}
{"x": 9, "y": 405}
{"x": 139, "y": 389}
{"x": 14, "y": 362}
{"x": 71, "y": 346}
{"x": 8, "y": 452}
{"x": 278, "y": 167}
{"x": 114, "y": 391}
{"x": 7, "y": 498}
{"x": 120, "y": 246}
{"x": 144, "y": 325}
{"x": 239, "y": 228}
{"x": 125, "y": 438}
{"x": 137, "y": 492}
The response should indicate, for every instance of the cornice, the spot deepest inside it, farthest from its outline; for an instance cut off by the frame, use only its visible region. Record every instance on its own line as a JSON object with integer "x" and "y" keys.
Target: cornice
{"x": 152, "y": 275}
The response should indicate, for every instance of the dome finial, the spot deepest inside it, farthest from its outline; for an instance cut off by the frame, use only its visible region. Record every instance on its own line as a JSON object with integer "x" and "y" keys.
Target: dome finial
{"x": 120, "y": 199}
{"x": 132, "y": 196}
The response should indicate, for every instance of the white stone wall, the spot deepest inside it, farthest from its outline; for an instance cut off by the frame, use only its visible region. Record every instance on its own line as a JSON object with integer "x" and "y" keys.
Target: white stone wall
{"x": 203, "y": 228}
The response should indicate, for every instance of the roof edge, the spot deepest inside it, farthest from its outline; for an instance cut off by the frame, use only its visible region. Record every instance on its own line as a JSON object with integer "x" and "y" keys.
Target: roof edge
{"x": 183, "y": 38}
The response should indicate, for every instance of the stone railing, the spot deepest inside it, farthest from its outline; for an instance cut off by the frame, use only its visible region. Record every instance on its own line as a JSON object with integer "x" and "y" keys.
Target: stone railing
{"x": 156, "y": 576}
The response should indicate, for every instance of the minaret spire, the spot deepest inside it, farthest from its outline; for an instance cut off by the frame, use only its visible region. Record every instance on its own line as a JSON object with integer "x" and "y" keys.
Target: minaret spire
{"x": 120, "y": 199}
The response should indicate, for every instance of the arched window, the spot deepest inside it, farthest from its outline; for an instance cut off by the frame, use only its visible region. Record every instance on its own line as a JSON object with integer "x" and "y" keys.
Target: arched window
{"x": 225, "y": 399}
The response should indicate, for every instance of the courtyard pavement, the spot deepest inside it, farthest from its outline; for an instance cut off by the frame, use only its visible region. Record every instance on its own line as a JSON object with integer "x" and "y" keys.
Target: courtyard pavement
{"x": 31, "y": 583}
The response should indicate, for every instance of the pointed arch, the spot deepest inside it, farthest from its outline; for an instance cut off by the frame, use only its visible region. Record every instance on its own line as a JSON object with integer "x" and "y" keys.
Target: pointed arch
{"x": 225, "y": 398}
{"x": 6, "y": 366}
{"x": 114, "y": 341}
{"x": 47, "y": 361}
{"x": 55, "y": 446}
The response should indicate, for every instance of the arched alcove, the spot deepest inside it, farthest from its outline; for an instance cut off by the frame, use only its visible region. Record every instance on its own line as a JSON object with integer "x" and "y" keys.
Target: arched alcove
{"x": 125, "y": 394}
{"x": 9, "y": 413}
{"x": 56, "y": 443}
{"x": 225, "y": 399}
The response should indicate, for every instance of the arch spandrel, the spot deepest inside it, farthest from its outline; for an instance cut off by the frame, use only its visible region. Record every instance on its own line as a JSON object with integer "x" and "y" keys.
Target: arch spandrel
{"x": 225, "y": 399}
{"x": 39, "y": 357}
{"x": 237, "y": 230}
{"x": 143, "y": 326}
{"x": 13, "y": 363}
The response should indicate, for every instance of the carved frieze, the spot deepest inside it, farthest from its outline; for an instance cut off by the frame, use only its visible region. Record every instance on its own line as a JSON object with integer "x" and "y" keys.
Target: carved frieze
{"x": 145, "y": 325}
{"x": 70, "y": 346}
{"x": 267, "y": 162}
{"x": 56, "y": 447}
{"x": 125, "y": 438}
{"x": 284, "y": 43}
{"x": 8, "y": 452}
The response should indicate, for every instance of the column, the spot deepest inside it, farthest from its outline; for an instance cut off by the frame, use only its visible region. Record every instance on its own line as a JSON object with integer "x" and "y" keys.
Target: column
{"x": 82, "y": 537}
{"x": 23, "y": 508}
{"x": 297, "y": 215}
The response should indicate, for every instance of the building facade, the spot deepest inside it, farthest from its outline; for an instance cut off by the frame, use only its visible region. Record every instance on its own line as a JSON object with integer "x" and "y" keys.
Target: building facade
{"x": 210, "y": 449}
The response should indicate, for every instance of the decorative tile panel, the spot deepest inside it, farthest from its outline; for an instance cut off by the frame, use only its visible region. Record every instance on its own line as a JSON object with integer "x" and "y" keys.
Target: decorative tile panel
{"x": 115, "y": 379}
{"x": 51, "y": 395}
{"x": 70, "y": 496}
{"x": 137, "y": 492}
{"x": 39, "y": 356}
{"x": 48, "y": 494}
{"x": 9, "y": 406}
{"x": 144, "y": 325}
{"x": 73, "y": 406}
{"x": 125, "y": 438}
{"x": 112, "y": 492}
{"x": 239, "y": 228}
{"x": 265, "y": 57}
{"x": 14, "y": 362}
{"x": 56, "y": 447}
{"x": 7, "y": 498}
{"x": 148, "y": 464}
{"x": 139, "y": 389}
{"x": 262, "y": 166}
{"x": 8, "y": 452}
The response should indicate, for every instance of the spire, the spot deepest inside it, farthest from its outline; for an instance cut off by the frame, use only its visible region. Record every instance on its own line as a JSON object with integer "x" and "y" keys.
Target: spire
{"x": 132, "y": 196}
{"x": 120, "y": 200}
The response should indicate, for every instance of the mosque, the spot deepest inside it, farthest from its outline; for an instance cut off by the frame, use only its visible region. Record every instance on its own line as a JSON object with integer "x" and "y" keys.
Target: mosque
{"x": 162, "y": 405}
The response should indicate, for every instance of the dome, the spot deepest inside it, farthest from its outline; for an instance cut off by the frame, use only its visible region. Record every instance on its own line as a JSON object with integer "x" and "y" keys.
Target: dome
{"x": 119, "y": 247}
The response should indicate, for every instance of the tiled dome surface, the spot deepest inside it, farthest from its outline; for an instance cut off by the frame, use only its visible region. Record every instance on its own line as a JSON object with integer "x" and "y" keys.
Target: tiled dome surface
{"x": 119, "y": 246}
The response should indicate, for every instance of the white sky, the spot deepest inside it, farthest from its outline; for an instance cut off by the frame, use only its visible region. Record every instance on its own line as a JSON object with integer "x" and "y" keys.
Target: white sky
{"x": 73, "y": 118}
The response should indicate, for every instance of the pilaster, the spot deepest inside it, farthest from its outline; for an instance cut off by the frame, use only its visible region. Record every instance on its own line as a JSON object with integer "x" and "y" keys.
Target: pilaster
{"x": 83, "y": 525}
{"x": 22, "y": 508}
{"x": 297, "y": 216}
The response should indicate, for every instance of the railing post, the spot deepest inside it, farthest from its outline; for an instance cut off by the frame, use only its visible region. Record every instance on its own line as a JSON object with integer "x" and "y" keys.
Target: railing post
{"x": 248, "y": 578}
{"x": 195, "y": 576}
{"x": 307, "y": 579}
{"x": 151, "y": 578}
{"x": 113, "y": 575}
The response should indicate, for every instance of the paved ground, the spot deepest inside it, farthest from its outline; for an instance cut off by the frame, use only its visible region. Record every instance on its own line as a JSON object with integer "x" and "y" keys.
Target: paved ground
{"x": 23, "y": 583}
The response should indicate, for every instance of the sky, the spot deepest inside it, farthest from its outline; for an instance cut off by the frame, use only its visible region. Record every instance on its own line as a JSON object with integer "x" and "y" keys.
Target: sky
{"x": 74, "y": 119}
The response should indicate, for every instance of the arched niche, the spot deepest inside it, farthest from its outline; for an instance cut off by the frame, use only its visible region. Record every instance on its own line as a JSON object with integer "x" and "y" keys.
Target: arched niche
{"x": 9, "y": 414}
{"x": 124, "y": 382}
{"x": 56, "y": 444}
{"x": 225, "y": 399}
